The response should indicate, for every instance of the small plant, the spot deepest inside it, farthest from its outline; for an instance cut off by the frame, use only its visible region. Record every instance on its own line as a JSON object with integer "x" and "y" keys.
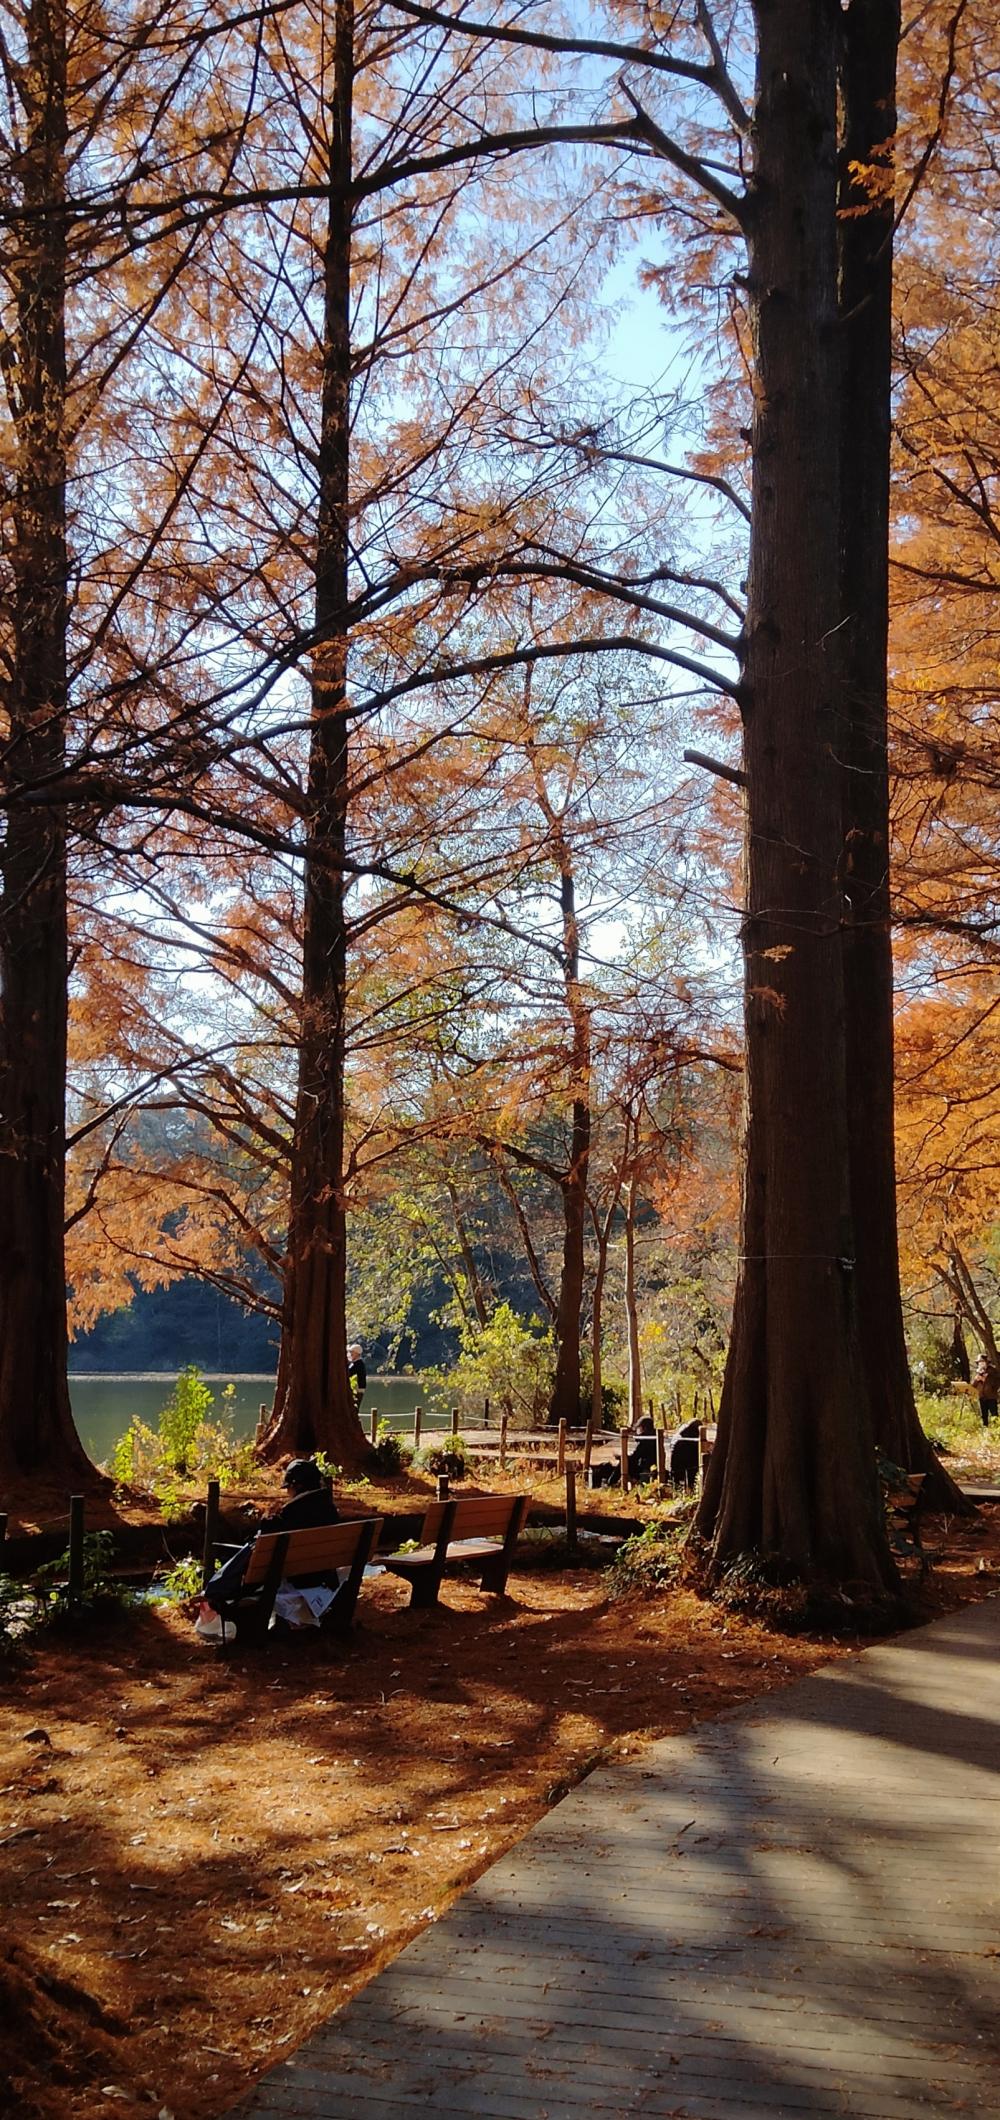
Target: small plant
{"x": 185, "y": 1412}
{"x": 326, "y": 1466}
{"x": 174, "y": 1503}
{"x": 447, "y": 1457}
{"x": 186, "y": 1448}
{"x": 136, "y": 1454}
{"x": 99, "y": 1587}
{"x": 651, "y": 1561}
{"x": 392, "y": 1453}
{"x": 181, "y": 1582}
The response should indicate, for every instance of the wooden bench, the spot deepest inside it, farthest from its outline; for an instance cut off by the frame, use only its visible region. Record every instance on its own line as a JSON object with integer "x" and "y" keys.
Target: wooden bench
{"x": 482, "y": 1528}
{"x": 300, "y": 1557}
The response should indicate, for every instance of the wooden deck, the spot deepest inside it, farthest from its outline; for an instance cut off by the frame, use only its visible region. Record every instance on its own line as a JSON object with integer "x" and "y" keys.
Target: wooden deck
{"x": 789, "y": 1912}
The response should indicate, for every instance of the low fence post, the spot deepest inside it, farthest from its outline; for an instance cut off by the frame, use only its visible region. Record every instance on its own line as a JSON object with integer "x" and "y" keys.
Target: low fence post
{"x": 661, "y": 1456}
{"x": 211, "y": 1532}
{"x": 74, "y": 1587}
{"x": 571, "y": 1507}
{"x": 562, "y": 1450}
{"x": 503, "y": 1440}
{"x": 418, "y": 1414}
{"x": 454, "y": 1420}
{"x": 486, "y": 1411}
{"x": 588, "y": 1445}
{"x": 623, "y": 1458}
{"x": 373, "y": 1424}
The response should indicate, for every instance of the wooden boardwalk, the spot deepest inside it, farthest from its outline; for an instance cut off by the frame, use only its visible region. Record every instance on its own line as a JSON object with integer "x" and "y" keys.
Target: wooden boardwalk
{"x": 792, "y": 1911}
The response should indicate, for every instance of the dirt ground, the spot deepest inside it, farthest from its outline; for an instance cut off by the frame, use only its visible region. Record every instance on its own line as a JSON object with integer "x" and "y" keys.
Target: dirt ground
{"x": 204, "y": 1856}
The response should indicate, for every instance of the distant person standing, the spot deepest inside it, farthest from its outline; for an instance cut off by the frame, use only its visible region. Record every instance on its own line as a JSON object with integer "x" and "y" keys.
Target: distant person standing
{"x": 985, "y": 1382}
{"x": 357, "y": 1374}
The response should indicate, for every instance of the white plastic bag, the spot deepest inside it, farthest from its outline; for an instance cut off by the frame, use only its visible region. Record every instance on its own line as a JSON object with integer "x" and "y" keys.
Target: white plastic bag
{"x": 301, "y": 1608}
{"x": 210, "y": 1625}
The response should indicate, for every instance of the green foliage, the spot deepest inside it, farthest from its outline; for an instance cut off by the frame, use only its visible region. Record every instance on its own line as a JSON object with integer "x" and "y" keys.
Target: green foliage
{"x": 100, "y": 1586}
{"x": 181, "y": 1582}
{"x": 327, "y": 1467}
{"x": 135, "y": 1456}
{"x": 449, "y": 1457}
{"x": 651, "y": 1561}
{"x": 391, "y": 1451}
{"x": 184, "y": 1414}
{"x": 509, "y": 1361}
{"x": 185, "y": 1448}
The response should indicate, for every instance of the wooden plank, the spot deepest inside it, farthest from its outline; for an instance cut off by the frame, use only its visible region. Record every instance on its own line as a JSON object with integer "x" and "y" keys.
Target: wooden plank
{"x": 754, "y": 1921}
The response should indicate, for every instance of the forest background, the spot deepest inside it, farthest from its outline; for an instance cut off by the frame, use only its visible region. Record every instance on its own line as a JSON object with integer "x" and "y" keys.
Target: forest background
{"x": 370, "y": 941}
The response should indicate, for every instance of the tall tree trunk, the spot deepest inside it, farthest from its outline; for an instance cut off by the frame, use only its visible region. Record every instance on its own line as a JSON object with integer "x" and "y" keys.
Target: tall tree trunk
{"x": 37, "y": 1435}
{"x": 959, "y": 1352}
{"x": 868, "y": 94}
{"x": 314, "y": 1407}
{"x": 597, "y": 1321}
{"x": 473, "y": 1281}
{"x": 794, "y": 1472}
{"x": 565, "y": 1402}
{"x": 631, "y": 1307}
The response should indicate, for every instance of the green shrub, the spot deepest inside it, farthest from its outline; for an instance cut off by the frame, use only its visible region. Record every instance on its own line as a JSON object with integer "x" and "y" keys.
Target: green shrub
{"x": 651, "y": 1561}
{"x": 393, "y": 1454}
{"x": 100, "y": 1586}
{"x": 181, "y": 1581}
{"x": 508, "y": 1361}
{"x": 448, "y": 1456}
{"x": 185, "y": 1412}
{"x": 185, "y": 1447}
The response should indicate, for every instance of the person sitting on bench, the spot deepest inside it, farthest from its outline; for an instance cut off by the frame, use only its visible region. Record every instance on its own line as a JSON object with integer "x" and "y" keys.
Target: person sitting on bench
{"x": 682, "y": 1455}
{"x": 641, "y": 1458}
{"x": 310, "y": 1505}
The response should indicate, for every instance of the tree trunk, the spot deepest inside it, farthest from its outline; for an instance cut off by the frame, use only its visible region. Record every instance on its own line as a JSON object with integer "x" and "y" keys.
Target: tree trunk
{"x": 472, "y": 1276}
{"x": 959, "y": 1351}
{"x": 37, "y": 1435}
{"x": 871, "y": 39}
{"x": 597, "y": 1324}
{"x": 565, "y": 1403}
{"x": 314, "y": 1407}
{"x": 794, "y": 1473}
{"x": 631, "y": 1310}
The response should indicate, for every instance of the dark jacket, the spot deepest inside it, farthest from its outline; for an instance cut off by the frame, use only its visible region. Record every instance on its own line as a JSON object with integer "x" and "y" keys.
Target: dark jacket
{"x": 307, "y": 1511}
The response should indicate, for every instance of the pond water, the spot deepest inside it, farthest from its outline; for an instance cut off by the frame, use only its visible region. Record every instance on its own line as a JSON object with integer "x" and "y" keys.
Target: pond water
{"x": 103, "y": 1406}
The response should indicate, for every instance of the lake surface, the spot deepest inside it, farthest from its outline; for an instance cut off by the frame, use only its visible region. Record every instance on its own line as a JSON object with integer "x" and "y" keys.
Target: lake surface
{"x": 103, "y": 1406}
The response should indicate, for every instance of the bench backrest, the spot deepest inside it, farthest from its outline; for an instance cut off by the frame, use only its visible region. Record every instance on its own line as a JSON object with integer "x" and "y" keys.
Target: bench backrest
{"x": 476, "y": 1516}
{"x": 310, "y": 1552}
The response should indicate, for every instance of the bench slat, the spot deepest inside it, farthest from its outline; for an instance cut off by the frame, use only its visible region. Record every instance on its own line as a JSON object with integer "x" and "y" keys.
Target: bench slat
{"x": 309, "y": 1552}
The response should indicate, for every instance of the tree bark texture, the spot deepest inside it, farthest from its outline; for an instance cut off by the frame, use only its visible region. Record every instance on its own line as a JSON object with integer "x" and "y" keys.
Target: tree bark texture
{"x": 37, "y": 1435}
{"x": 314, "y": 1407}
{"x": 631, "y": 1306}
{"x": 565, "y": 1403}
{"x": 794, "y": 1473}
{"x": 871, "y": 31}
